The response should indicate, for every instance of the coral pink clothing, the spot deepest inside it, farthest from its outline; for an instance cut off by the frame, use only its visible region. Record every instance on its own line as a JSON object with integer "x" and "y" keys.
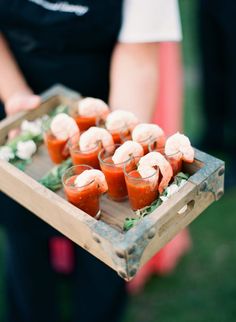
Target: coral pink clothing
{"x": 169, "y": 116}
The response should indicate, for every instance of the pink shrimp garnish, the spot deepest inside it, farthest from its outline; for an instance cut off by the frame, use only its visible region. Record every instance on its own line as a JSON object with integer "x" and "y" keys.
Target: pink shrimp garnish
{"x": 148, "y": 131}
{"x": 90, "y": 138}
{"x": 147, "y": 165}
{"x": 89, "y": 176}
{"x": 90, "y": 106}
{"x": 179, "y": 143}
{"x": 63, "y": 126}
{"x": 121, "y": 118}
{"x": 126, "y": 151}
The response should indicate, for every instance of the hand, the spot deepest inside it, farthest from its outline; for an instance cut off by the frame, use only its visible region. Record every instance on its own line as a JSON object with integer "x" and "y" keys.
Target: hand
{"x": 21, "y": 101}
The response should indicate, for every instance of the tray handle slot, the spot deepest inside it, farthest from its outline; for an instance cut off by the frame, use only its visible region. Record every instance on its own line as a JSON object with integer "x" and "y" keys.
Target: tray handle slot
{"x": 180, "y": 214}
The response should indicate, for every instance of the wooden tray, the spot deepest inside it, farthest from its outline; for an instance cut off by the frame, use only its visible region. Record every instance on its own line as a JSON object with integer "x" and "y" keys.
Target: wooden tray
{"x": 125, "y": 252}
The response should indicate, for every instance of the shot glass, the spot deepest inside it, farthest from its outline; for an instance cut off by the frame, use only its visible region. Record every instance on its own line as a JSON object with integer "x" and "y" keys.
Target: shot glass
{"x": 89, "y": 157}
{"x": 118, "y": 134}
{"x": 175, "y": 161}
{"x": 125, "y": 134}
{"x": 141, "y": 191}
{"x": 156, "y": 145}
{"x": 145, "y": 144}
{"x": 85, "y": 197}
{"x": 57, "y": 149}
{"x": 114, "y": 174}
{"x": 83, "y": 122}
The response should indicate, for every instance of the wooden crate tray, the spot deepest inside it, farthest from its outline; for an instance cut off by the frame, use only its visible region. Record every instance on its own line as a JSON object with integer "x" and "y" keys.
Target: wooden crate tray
{"x": 125, "y": 252}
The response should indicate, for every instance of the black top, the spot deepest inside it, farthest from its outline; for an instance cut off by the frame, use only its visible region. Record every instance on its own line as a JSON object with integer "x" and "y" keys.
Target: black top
{"x": 68, "y": 42}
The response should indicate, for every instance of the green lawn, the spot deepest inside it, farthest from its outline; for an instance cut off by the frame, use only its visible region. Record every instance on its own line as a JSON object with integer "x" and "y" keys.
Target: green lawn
{"x": 203, "y": 287}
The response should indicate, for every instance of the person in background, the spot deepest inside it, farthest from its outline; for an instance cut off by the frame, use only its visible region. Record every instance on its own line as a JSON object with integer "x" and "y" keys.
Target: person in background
{"x": 217, "y": 30}
{"x": 169, "y": 116}
{"x": 101, "y": 52}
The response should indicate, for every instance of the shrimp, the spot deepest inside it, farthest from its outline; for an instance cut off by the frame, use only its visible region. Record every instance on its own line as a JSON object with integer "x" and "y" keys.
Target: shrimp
{"x": 148, "y": 131}
{"x": 92, "y": 136}
{"x": 88, "y": 176}
{"x": 127, "y": 150}
{"x": 147, "y": 166}
{"x": 63, "y": 126}
{"x": 120, "y": 118}
{"x": 90, "y": 106}
{"x": 179, "y": 143}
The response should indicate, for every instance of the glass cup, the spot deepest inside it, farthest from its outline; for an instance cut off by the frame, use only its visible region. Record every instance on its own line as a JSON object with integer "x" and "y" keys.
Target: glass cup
{"x": 156, "y": 145}
{"x": 175, "y": 161}
{"x": 85, "y": 197}
{"x": 119, "y": 135}
{"x": 83, "y": 122}
{"x": 145, "y": 144}
{"x": 89, "y": 157}
{"x": 124, "y": 134}
{"x": 114, "y": 174}
{"x": 141, "y": 191}
{"x": 57, "y": 149}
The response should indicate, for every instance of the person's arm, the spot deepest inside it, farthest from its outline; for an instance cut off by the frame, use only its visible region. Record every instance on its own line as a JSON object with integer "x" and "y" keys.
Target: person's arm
{"x": 15, "y": 93}
{"x": 134, "y": 79}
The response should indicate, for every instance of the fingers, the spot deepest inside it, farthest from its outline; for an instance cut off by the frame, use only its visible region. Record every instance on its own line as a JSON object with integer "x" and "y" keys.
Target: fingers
{"x": 31, "y": 102}
{"x": 21, "y": 102}
{"x": 13, "y": 133}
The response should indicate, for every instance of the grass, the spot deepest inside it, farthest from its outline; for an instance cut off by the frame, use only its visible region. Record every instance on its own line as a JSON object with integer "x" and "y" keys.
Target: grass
{"x": 202, "y": 287}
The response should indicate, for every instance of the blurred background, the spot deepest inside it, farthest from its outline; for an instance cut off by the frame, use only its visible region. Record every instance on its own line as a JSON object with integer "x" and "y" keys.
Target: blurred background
{"x": 202, "y": 287}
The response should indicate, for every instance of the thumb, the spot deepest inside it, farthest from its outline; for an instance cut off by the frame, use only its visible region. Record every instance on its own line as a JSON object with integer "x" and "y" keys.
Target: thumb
{"x": 31, "y": 102}
{"x": 21, "y": 102}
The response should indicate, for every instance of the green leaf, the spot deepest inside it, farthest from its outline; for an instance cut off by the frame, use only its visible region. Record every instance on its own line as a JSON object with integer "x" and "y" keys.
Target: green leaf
{"x": 129, "y": 223}
{"x": 149, "y": 209}
{"x": 23, "y": 137}
{"x": 182, "y": 175}
{"x": 20, "y": 164}
{"x": 59, "y": 109}
{"x": 179, "y": 177}
{"x": 52, "y": 179}
{"x": 140, "y": 213}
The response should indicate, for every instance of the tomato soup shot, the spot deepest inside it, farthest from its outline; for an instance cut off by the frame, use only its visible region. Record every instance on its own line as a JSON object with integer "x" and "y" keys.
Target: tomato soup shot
{"x": 145, "y": 144}
{"x": 112, "y": 161}
{"x": 120, "y": 134}
{"x": 56, "y": 135}
{"x": 175, "y": 161}
{"x": 87, "y": 156}
{"x": 155, "y": 145}
{"x": 57, "y": 149}
{"x": 142, "y": 191}
{"x": 83, "y": 187}
{"x": 120, "y": 124}
{"x": 177, "y": 149}
{"x": 125, "y": 135}
{"x": 114, "y": 174}
{"x": 88, "y": 112}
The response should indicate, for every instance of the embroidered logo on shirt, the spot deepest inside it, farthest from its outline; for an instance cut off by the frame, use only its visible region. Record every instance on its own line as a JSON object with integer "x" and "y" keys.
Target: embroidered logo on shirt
{"x": 62, "y": 6}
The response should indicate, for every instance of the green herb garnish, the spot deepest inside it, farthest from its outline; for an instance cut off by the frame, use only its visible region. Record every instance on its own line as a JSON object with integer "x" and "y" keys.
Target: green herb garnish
{"x": 52, "y": 179}
{"x": 179, "y": 177}
{"x": 131, "y": 222}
